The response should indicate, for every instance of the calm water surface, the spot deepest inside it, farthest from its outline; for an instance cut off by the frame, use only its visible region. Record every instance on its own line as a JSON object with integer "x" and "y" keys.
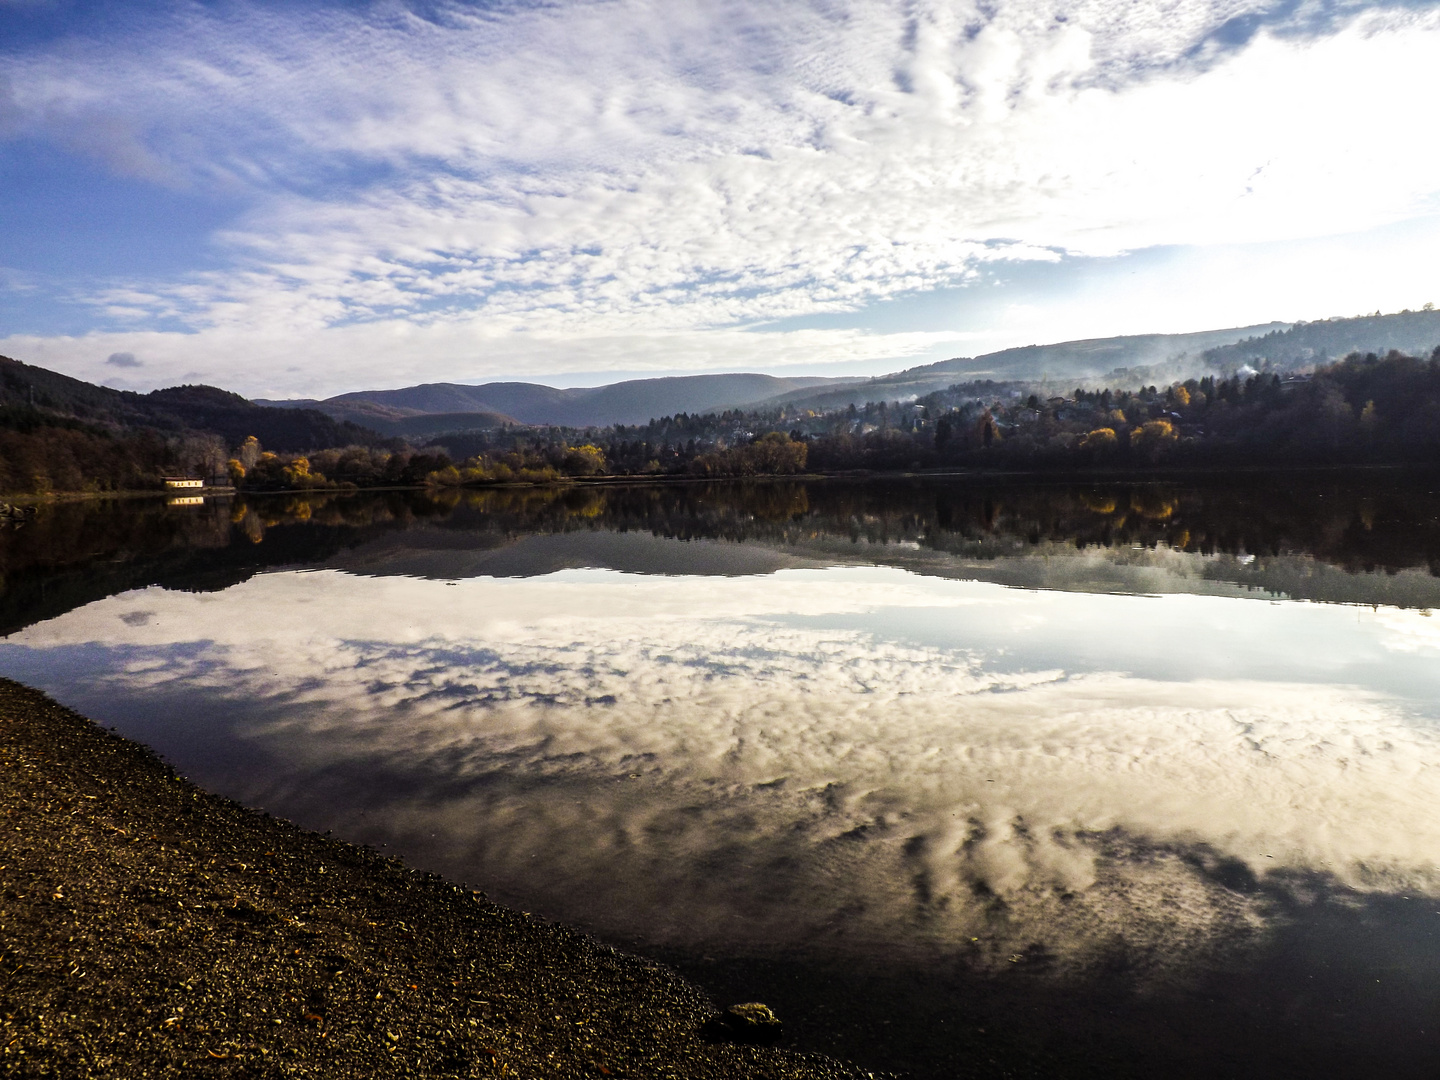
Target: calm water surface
{"x": 964, "y": 779}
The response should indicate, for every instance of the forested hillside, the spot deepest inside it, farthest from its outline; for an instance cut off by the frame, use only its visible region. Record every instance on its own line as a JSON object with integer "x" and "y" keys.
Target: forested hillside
{"x": 49, "y": 396}
{"x": 1363, "y": 410}
{"x": 1306, "y": 344}
{"x": 63, "y": 434}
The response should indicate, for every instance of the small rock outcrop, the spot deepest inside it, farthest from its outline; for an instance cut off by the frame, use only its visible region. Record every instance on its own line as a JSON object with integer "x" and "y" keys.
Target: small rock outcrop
{"x": 751, "y": 1022}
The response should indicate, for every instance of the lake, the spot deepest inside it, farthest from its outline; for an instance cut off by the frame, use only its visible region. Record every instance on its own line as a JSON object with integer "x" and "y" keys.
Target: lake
{"x": 963, "y": 777}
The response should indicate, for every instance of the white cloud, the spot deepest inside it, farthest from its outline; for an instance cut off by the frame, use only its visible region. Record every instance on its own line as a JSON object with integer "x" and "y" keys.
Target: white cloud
{"x": 858, "y": 752}
{"x": 1409, "y": 633}
{"x": 592, "y": 173}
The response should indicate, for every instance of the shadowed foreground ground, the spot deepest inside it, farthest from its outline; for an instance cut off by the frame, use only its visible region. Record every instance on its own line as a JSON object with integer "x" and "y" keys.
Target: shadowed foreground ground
{"x": 149, "y": 929}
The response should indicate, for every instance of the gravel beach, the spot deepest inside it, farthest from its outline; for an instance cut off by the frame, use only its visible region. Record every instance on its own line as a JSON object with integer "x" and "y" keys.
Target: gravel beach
{"x": 150, "y": 929}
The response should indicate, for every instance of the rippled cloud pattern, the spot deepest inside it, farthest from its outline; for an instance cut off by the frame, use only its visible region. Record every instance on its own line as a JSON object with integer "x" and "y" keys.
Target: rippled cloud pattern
{"x": 851, "y": 758}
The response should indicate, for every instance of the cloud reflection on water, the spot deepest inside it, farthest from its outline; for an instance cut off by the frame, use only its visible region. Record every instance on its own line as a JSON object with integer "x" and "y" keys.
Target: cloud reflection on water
{"x": 851, "y": 758}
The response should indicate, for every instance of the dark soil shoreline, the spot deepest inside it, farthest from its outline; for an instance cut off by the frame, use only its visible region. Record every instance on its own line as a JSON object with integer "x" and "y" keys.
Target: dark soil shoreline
{"x": 150, "y": 929}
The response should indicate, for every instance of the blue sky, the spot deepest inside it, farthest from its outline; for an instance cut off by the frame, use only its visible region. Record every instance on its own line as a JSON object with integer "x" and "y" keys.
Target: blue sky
{"x": 291, "y": 199}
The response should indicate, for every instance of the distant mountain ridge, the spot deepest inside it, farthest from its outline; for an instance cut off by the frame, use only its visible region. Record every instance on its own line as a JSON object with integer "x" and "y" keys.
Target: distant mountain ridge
{"x": 634, "y": 401}
{"x": 637, "y": 401}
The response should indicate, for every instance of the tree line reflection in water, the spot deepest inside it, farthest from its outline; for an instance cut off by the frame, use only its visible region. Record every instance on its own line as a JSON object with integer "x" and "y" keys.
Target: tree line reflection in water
{"x": 1376, "y": 523}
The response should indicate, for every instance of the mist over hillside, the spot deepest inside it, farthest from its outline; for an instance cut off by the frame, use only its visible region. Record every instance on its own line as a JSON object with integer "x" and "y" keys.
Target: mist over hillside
{"x": 1117, "y": 361}
{"x": 1307, "y": 344}
{"x": 1124, "y": 362}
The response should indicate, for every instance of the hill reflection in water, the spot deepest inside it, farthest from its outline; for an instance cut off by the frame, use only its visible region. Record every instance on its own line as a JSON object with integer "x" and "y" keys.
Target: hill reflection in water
{"x": 987, "y": 749}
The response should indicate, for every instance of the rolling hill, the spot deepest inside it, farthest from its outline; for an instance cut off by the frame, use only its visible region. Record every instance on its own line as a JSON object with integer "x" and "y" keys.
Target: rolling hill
{"x": 1067, "y": 361}
{"x": 32, "y": 395}
{"x": 634, "y": 401}
{"x": 1416, "y": 333}
{"x": 637, "y": 401}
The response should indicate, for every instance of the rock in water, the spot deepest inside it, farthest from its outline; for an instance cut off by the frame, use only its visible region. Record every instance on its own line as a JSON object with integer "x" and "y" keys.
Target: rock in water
{"x": 752, "y": 1022}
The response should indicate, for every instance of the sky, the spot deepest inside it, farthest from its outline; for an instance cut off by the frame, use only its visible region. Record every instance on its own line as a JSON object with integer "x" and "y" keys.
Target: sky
{"x": 300, "y": 199}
